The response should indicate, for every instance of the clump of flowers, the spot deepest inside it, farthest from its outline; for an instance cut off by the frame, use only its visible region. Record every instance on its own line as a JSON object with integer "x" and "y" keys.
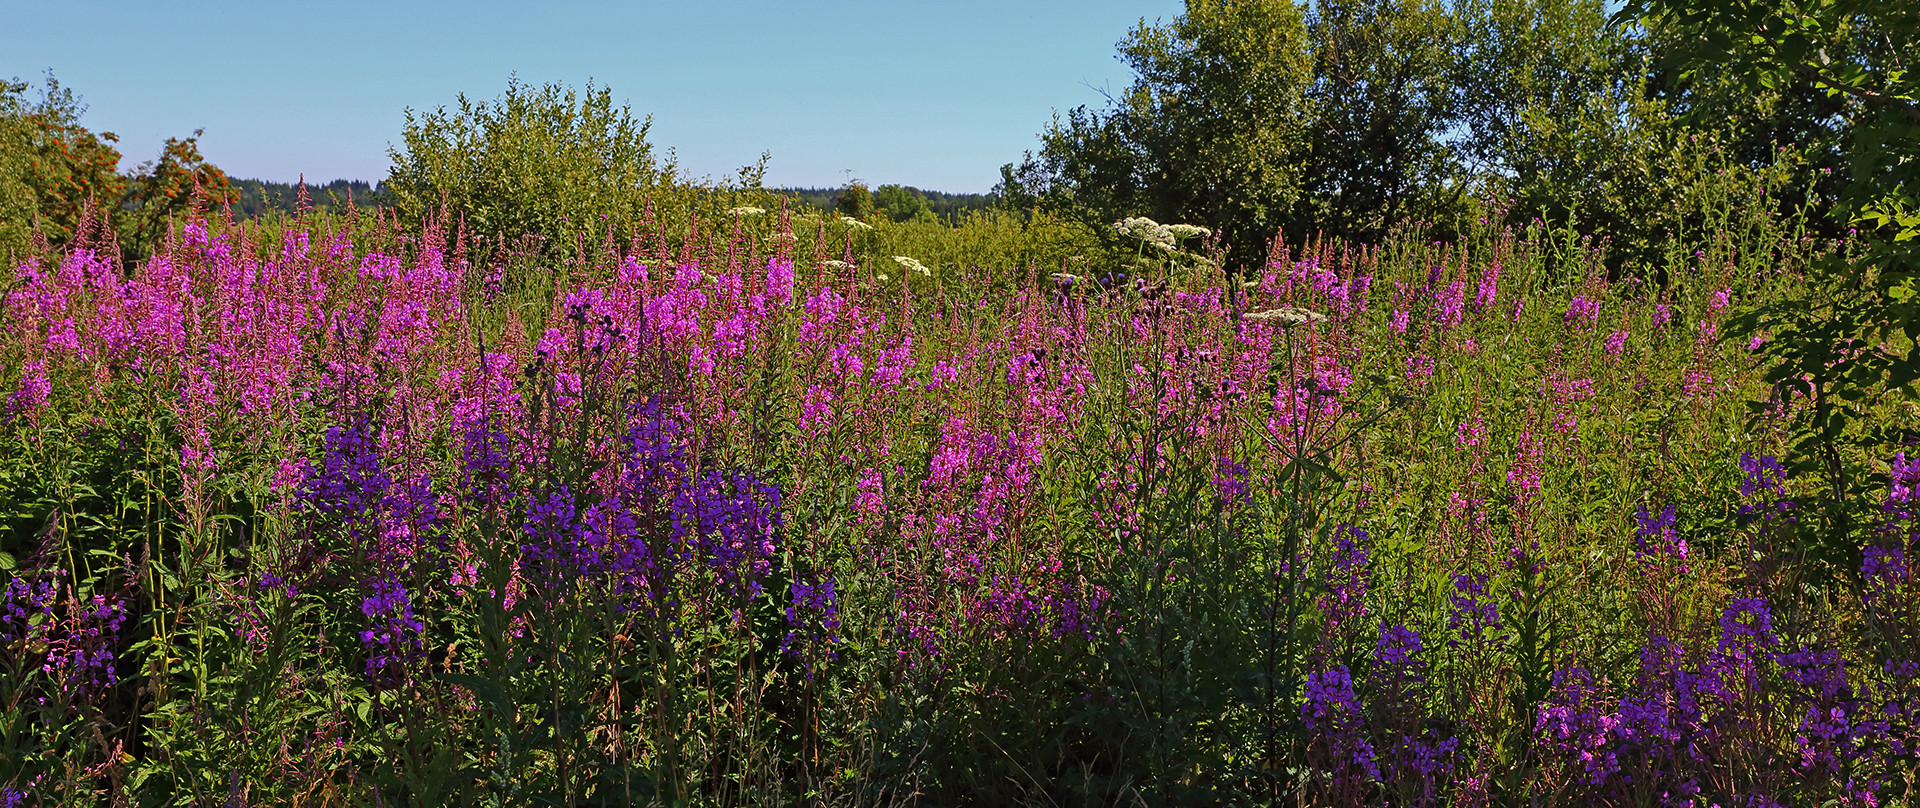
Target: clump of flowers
{"x": 1149, "y": 232}
{"x": 909, "y": 264}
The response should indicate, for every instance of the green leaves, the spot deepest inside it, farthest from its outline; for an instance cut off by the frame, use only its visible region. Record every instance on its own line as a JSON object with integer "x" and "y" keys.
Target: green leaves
{"x": 548, "y": 163}
{"x": 1210, "y": 133}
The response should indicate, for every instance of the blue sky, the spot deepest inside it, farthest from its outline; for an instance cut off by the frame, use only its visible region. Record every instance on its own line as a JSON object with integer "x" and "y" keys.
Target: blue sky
{"x": 932, "y": 94}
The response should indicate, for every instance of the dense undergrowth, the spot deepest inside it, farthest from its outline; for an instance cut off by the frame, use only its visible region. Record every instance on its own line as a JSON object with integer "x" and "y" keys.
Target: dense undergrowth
{"x": 329, "y": 514}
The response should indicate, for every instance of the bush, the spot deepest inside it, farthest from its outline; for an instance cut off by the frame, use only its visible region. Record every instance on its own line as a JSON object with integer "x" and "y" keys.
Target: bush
{"x": 548, "y": 163}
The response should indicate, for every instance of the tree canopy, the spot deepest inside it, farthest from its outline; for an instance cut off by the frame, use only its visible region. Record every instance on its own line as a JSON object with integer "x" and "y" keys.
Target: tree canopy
{"x": 1263, "y": 117}
{"x": 548, "y": 161}
{"x": 56, "y": 174}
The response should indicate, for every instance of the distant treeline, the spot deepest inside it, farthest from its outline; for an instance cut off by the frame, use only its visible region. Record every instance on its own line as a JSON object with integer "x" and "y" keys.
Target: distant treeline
{"x": 257, "y": 197}
{"x": 942, "y": 205}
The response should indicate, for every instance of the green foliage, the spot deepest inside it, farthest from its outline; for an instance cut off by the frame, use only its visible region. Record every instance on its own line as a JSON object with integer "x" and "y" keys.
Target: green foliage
{"x": 163, "y": 189}
{"x": 17, "y": 201}
{"x": 1210, "y": 133}
{"x": 64, "y": 178}
{"x": 1212, "y": 613}
{"x": 1558, "y": 125}
{"x": 902, "y": 204}
{"x": 548, "y": 162}
{"x": 1347, "y": 118}
{"x": 1850, "y": 341}
{"x": 945, "y": 206}
{"x": 1383, "y": 97}
{"x": 72, "y": 171}
{"x": 854, "y": 200}
{"x": 997, "y": 248}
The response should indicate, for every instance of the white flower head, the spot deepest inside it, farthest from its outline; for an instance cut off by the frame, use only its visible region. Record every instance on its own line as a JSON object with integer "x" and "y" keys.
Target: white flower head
{"x": 784, "y": 237}
{"x": 855, "y": 223}
{"x": 1147, "y": 230}
{"x": 747, "y": 210}
{"x": 912, "y": 265}
{"x": 880, "y": 276}
{"x": 1286, "y": 316}
{"x": 834, "y": 264}
{"x": 1187, "y": 231}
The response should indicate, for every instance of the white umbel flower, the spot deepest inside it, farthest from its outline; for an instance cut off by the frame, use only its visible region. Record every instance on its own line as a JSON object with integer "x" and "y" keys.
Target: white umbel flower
{"x": 1147, "y": 230}
{"x": 855, "y": 223}
{"x": 911, "y": 265}
{"x": 747, "y": 210}
{"x": 1286, "y": 315}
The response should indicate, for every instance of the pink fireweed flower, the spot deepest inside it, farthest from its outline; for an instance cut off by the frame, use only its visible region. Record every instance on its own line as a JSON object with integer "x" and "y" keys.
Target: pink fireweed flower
{"x": 1400, "y": 321}
{"x": 674, "y": 318}
{"x": 1697, "y": 383}
{"x": 1451, "y": 304}
{"x": 198, "y": 399}
{"x": 822, "y": 311}
{"x": 1571, "y": 390}
{"x": 942, "y": 374}
{"x": 32, "y": 392}
{"x": 1616, "y": 342}
{"x": 1904, "y": 483}
{"x": 1524, "y": 475}
{"x": 1489, "y": 290}
{"x": 1581, "y": 311}
{"x": 868, "y": 493}
{"x": 893, "y": 363}
{"x": 1472, "y": 433}
{"x": 289, "y": 475}
{"x": 780, "y": 282}
{"x": 63, "y": 340}
{"x": 1419, "y": 370}
{"x": 816, "y": 409}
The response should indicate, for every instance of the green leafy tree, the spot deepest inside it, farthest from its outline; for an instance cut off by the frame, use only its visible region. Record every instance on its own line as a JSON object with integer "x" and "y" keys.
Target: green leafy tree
{"x": 163, "y": 189}
{"x": 74, "y": 173}
{"x": 17, "y": 201}
{"x": 56, "y": 174}
{"x": 854, "y": 200}
{"x": 1555, "y": 120}
{"x": 548, "y": 161}
{"x": 1211, "y": 132}
{"x": 902, "y": 204}
{"x": 1344, "y": 117}
{"x": 1572, "y": 118}
{"x": 1383, "y": 97}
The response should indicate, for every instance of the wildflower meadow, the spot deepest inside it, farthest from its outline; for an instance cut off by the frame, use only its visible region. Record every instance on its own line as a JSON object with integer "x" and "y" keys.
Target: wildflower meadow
{"x": 754, "y": 513}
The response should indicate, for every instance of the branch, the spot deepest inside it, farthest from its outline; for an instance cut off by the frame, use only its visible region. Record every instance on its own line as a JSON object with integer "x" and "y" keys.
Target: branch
{"x": 1823, "y": 78}
{"x": 1819, "y": 75}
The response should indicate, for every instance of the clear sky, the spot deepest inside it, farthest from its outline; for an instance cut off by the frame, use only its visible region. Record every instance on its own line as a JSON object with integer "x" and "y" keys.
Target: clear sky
{"x": 932, "y": 94}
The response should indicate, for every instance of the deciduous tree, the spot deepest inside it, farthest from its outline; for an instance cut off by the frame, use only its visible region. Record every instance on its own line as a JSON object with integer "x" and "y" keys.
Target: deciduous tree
{"x": 547, "y": 161}
{"x": 1212, "y": 131}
